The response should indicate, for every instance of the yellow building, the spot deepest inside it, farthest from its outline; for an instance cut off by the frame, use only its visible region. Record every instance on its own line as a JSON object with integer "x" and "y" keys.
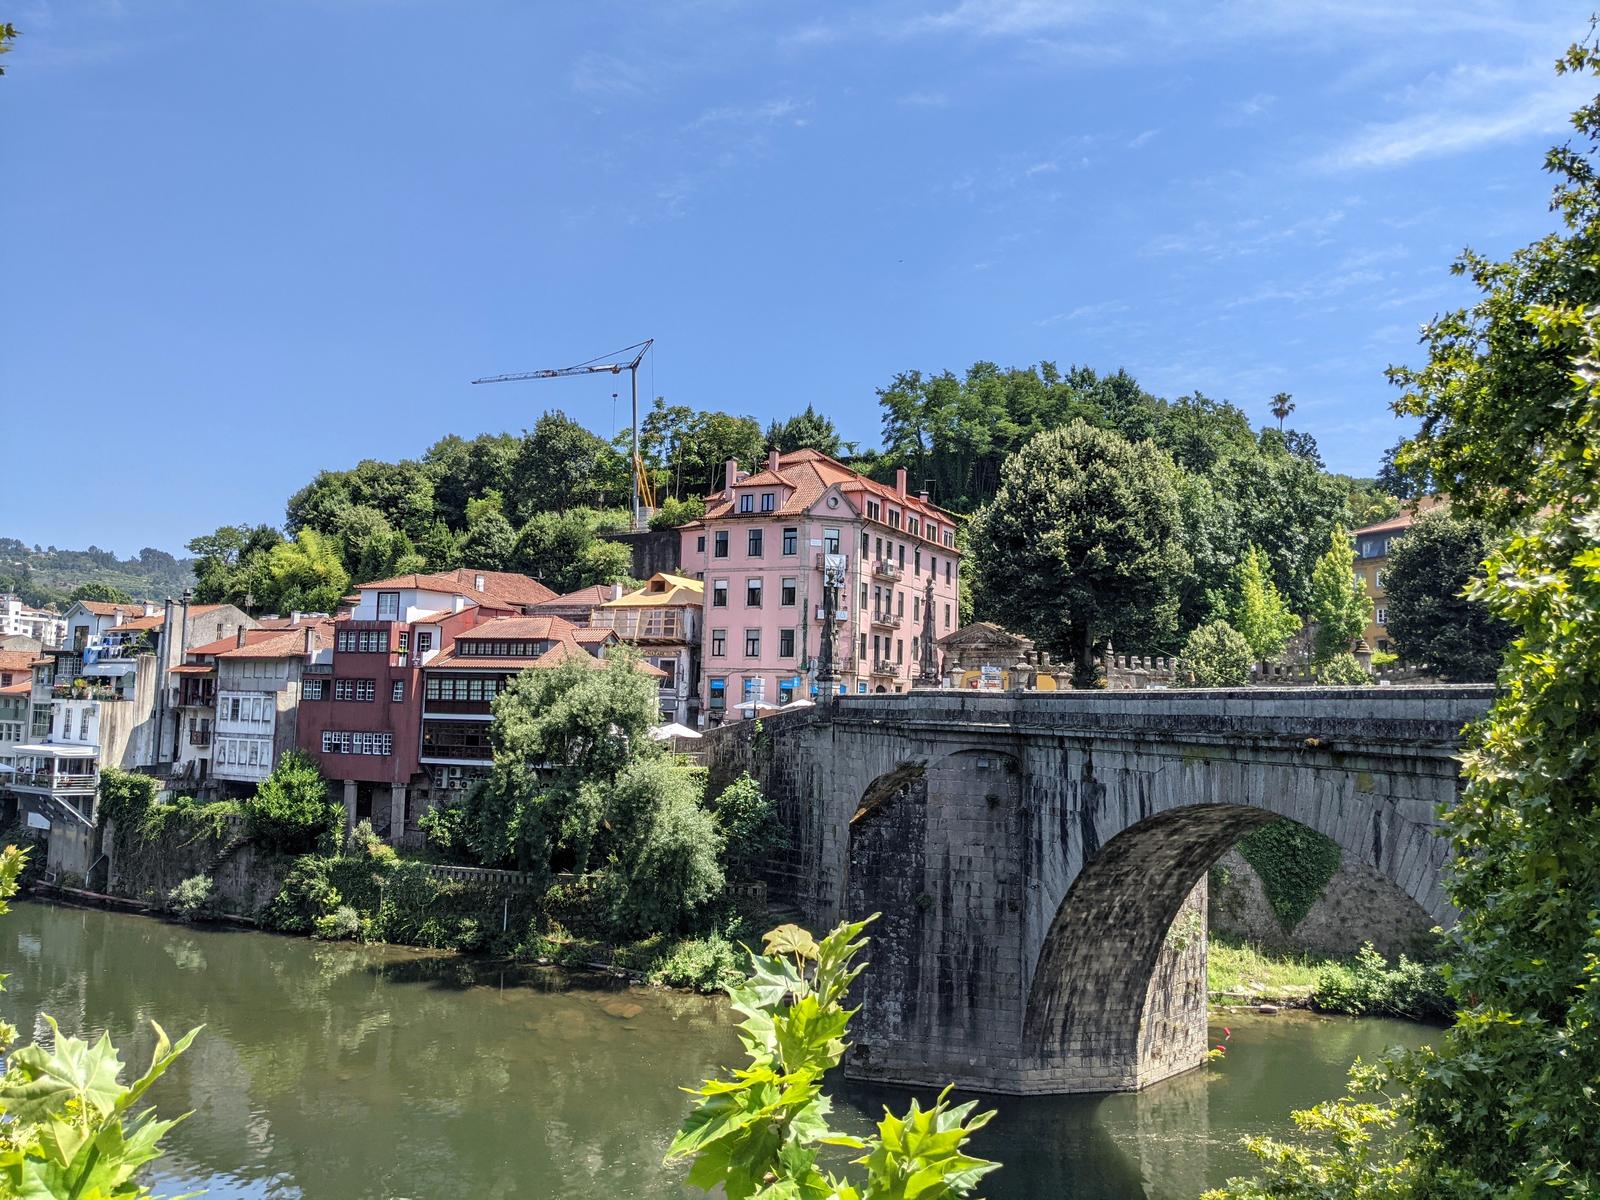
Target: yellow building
{"x": 1372, "y": 558}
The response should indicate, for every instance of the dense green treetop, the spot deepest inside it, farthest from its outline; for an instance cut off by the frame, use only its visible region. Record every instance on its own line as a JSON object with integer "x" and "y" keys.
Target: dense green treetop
{"x": 1083, "y": 542}
{"x": 809, "y": 430}
{"x": 1339, "y": 605}
{"x": 1430, "y": 618}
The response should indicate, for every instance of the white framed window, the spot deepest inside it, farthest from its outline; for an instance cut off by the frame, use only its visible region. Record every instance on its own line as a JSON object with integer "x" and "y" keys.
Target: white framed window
{"x": 366, "y": 689}
{"x": 313, "y": 689}
{"x": 388, "y": 606}
{"x": 398, "y": 692}
{"x": 1382, "y": 616}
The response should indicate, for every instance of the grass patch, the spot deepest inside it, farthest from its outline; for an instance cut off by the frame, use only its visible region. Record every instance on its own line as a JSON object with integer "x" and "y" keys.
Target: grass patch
{"x": 1237, "y": 967}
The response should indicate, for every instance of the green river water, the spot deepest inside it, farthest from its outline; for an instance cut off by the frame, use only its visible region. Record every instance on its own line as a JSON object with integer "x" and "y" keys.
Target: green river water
{"x": 338, "y": 1072}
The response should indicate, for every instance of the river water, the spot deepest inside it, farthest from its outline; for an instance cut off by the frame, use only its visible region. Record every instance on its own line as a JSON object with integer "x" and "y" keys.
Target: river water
{"x": 338, "y": 1072}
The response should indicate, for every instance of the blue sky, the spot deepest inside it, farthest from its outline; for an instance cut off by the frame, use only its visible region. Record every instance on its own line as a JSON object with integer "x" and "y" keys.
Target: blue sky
{"x": 248, "y": 240}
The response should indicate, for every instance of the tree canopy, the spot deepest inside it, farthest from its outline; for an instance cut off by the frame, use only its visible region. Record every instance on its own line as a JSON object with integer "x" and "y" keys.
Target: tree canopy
{"x": 1431, "y": 618}
{"x": 1083, "y": 542}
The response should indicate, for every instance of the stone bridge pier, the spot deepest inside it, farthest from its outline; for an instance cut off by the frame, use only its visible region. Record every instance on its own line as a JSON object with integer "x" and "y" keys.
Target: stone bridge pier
{"x": 1039, "y": 860}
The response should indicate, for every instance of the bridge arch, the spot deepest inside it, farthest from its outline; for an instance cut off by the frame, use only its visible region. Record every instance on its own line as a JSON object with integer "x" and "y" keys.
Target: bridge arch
{"x": 1036, "y": 856}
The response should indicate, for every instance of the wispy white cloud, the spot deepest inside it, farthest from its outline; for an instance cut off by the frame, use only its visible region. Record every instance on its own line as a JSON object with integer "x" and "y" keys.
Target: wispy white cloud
{"x": 1140, "y": 139}
{"x": 1085, "y": 312}
{"x": 1252, "y": 108}
{"x": 922, "y": 99}
{"x": 765, "y": 112}
{"x": 1452, "y": 129}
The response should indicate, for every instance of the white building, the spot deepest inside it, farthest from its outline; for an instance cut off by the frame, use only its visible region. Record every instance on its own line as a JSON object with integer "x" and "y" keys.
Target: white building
{"x": 19, "y": 620}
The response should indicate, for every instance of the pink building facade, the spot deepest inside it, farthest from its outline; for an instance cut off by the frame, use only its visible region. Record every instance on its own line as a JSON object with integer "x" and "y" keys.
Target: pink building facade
{"x": 760, "y": 551}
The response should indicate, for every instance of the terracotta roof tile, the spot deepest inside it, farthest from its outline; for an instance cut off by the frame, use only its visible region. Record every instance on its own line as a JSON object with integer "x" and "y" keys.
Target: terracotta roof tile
{"x": 22, "y": 688}
{"x": 289, "y": 644}
{"x": 17, "y": 660}
{"x": 522, "y": 628}
{"x": 504, "y": 587}
{"x": 587, "y": 597}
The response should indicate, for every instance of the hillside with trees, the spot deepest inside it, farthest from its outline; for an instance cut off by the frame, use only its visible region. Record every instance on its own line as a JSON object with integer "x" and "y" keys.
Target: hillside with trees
{"x": 45, "y": 575}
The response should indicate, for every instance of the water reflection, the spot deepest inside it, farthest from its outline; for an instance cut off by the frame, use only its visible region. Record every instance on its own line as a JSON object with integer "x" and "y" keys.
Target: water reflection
{"x": 343, "y": 1072}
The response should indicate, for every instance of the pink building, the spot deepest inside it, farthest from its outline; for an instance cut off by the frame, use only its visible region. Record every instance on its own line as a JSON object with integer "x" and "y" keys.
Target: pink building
{"x": 760, "y": 551}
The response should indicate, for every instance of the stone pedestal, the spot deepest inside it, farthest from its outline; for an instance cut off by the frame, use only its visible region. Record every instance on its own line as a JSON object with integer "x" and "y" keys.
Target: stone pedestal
{"x": 397, "y": 814}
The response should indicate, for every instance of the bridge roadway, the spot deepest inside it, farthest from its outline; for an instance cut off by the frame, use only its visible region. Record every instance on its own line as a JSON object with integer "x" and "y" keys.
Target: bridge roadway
{"x": 1040, "y": 859}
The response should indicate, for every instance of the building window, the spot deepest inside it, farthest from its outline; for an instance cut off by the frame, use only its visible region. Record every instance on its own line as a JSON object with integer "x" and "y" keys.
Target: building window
{"x": 83, "y": 724}
{"x": 747, "y": 503}
{"x": 344, "y": 689}
{"x": 719, "y": 694}
{"x": 700, "y": 544}
{"x": 719, "y": 593}
{"x": 357, "y": 743}
{"x": 1377, "y": 580}
{"x": 902, "y": 556}
{"x": 388, "y": 606}
{"x": 947, "y": 570}
{"x": 791, "y": 541}
{"x": 866, "y": 543}
{"x": 900, "y": 604}
{"x": 785, "y": 690}
{"x": 720, "y": 544}
{"x": 752, "y": 643}
{"x": 785, "y": 643}
{"x": 894, "y": 518}
{"x": 719, "y": 643}
{"x": 398, "y": 692}
{"x": 767, "y": 502}
{"x": 424, "y": 640}
{"x": 947, "y": 616}
{"x": 830, "y": 541}
{"x": 874, "y": 510}
{"x": 1381, "y": 616}
{"x": 313, "y": 689}
{"x": 755, "y": 543}
{"x": 916, "y": 561}
{"x": 914, "y": 526}
{"x": 752, "y": 593}
{"x": 255, "y": 754}
{"x": 949, "y": 537}
{"x": 786, "y": 592}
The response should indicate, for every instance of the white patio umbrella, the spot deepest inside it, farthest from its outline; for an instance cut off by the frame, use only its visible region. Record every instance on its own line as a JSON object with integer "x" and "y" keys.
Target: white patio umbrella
{"x": 664, "y": 733}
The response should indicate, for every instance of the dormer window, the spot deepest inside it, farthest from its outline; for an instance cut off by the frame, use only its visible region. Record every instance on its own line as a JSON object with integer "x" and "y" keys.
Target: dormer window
{"x": 768, "y": 501}
{"x": 388, "y": 606}
{"x": 747, "y": 502}
{"x": 477, "y": 582}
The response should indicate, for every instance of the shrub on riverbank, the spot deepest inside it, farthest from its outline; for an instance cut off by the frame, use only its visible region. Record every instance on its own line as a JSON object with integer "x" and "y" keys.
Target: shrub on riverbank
{"x": 1369, "y": 985}
{"x": 195, "y": 899}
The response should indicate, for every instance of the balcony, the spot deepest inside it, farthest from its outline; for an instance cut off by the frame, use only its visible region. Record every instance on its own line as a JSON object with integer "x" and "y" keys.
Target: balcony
{"x": 883, "y": 666}
{"x": 197, "y": 698}
{"x": 823, "y": 556}
{"x": 642, "y": 625}
{"x": 200, "y": 737}
{"x": 887, "y": 619}
{"x": 83, "y": 691}
{"x": 884, "y": 568}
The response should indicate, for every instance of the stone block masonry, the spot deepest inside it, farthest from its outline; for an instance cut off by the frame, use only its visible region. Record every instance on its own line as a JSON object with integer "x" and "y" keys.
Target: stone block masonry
{"x": 1040, "y": 859}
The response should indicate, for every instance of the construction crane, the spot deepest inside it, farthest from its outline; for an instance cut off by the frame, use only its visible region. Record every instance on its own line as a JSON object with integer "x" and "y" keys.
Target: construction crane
{"x": 644, "y": 495}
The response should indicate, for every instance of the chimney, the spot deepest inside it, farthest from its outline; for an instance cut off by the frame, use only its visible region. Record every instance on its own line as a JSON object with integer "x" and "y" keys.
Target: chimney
{"x": 238, "y": 638}
{"x": 730, "y": 476}
{"x": 311, "y": 642}
{"x": 900, "y": 480}
{"x": 772, "y": 459}
{"x": 150, "y": 609}
{"x": 294, "y": 617}
{"x": 616, "y": 591}
{"x": 923, "y": 495}
{"x": 477, "y": 582}
{"x": 457, "y": 603}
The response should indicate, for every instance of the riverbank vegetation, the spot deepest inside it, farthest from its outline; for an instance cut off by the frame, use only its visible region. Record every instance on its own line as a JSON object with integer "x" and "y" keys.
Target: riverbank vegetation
{"x": 1366, "y": 984}
{"x": 1504, "y": 1102}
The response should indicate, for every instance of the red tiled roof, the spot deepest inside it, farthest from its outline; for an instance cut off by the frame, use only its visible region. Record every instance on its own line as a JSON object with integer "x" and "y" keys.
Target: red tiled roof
{"x": 582, "y": 598}
{"x": 808, "y": 474}
{"x": 567, "y": 648}
{"x": 1406, "y": 517}
{"x": 503, "y": 586}
{"x": 104, "y": 608}
{"x": 21, "y": 688}
{"x": 584, "y": 636}
{"x": 529, "y": 628}
{"x": 17, "y": 660}
{"x": 287, "y": 644}
{"x": 140, "y": 624}
{"x": 193, "y": 669}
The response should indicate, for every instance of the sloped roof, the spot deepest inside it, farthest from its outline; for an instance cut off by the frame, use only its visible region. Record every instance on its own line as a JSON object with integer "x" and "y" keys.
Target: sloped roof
{"x": 528, "y": 628}
{"x": 589, "y": 597}
{"x": 255, "y": 636}
{"x": 18, "y": 660}
{"x": 587, "y": 636}
{"x": 1406, "y": 517}
{"x": 565, "y": 649}
{"x": 504, "y": 587}
{"x": 104, "y": 608}
{"x": 288, "y": 644}
{"x": 808, "y": 474}
{"x": 674, "y": 589}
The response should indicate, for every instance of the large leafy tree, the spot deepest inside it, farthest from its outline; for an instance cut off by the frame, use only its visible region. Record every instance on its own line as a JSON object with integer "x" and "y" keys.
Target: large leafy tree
{"x": 1504, "y": 1104}
{"x": 304, "y": 574}
{"x": 559, "y": 465}
{"x": 100, "y": 591}
{"x": 809, "y": 430}
{"x": 562, "y": 736}
{"x": 231, "y": 564}
{"x": 1083, "y": 542}
{"x": 1431, "y": 618}
{"x": 1260, "y": 613}
{"x": 1338, "y": 605}
{"x": 564, "y": 551}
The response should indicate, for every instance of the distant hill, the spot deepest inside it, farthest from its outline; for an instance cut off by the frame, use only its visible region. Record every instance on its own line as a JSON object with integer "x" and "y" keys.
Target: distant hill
{"x": 46, "y": 575}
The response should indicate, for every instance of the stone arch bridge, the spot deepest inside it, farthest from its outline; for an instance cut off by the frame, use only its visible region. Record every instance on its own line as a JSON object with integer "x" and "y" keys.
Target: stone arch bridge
{"x": 1040, "y": 859}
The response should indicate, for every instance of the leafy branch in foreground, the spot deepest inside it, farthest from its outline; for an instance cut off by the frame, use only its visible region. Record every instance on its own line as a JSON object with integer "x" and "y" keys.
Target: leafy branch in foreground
{"x": 759, "y": 1132}
{"x": 68, "y": 1129}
